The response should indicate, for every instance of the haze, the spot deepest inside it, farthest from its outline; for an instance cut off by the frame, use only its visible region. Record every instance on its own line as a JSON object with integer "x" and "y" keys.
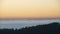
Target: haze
{"x": 29, "y": 9}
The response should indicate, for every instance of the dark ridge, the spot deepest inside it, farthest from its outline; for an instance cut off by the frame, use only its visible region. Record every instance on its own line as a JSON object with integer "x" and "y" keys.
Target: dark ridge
{"x": 55, "y": 23}
{"x": 52, "y": 28}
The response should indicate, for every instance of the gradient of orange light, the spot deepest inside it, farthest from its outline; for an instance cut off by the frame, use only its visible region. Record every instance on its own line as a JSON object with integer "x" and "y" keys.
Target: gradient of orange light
{"x": 29, "y": 9}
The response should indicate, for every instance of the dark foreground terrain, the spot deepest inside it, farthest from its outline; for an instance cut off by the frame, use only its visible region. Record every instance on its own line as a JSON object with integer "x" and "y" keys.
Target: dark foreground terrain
{"x": 52, "y": 28}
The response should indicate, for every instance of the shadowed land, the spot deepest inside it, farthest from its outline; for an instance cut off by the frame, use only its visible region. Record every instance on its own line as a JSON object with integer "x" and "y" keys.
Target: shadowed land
{"x": 52, "y": 28}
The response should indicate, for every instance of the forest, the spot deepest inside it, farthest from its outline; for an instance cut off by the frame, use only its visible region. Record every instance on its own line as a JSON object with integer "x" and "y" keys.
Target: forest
{"x": 52, "y": 28}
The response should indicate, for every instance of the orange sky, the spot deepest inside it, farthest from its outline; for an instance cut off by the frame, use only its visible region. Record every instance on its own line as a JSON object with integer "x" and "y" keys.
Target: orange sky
{"x": 29, "y": 9}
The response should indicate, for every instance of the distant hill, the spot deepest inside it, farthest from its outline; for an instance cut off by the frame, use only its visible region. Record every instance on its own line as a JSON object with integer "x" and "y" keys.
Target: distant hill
{"x": 52, "y": 28}
{"x": 26, "y": 18}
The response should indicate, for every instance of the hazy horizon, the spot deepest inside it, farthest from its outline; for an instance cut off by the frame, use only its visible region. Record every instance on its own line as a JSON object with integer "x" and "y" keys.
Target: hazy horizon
{"x": 25, "y": 23}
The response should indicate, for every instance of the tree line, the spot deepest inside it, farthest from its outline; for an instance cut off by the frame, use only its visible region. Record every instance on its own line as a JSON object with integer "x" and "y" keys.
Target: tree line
{"x": 52, "y": 28}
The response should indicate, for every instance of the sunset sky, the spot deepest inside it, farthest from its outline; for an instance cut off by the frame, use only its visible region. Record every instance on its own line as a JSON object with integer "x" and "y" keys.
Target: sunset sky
{"x": 29, "y": 9}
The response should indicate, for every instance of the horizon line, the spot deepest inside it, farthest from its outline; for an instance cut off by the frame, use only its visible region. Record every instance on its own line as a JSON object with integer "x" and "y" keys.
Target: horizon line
{"x": 29, "y": 18}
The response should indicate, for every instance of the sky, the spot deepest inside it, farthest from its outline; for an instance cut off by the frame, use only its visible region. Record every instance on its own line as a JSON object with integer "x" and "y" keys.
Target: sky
{"x": 29, "y": 9}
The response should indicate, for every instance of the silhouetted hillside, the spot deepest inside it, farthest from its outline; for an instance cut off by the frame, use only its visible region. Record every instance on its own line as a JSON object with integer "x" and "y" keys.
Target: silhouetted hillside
{"x": 52, "y": 28}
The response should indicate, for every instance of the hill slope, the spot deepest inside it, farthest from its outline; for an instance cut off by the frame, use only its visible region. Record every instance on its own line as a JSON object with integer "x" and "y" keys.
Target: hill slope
{"x": 53, "y": 28}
